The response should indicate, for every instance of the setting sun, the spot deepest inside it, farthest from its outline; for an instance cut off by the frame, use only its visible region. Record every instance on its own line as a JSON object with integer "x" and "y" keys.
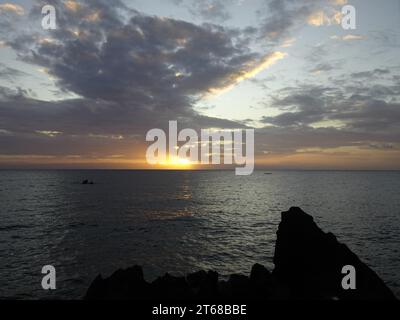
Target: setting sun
{"x": 177, "y": 163}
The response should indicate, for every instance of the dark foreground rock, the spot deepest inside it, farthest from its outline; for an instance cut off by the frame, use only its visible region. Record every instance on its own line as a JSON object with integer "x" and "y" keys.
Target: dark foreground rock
{"x": 310, "y": 262}
{"x": 308, "y": 265}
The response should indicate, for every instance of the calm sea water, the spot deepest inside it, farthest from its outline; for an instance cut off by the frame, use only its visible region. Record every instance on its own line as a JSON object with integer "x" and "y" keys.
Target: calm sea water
{"x": 180, "y": 222}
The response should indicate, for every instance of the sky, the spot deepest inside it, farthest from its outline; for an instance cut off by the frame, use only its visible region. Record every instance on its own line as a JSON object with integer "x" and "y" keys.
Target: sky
{"x": 85, "y": 94}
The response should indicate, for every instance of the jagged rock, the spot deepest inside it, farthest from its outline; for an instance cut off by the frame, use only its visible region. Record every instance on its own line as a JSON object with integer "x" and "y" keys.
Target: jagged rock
{"x": 310, "y": 262}
{"x": 203, "y": 284}
{"x": 171, "y": 288}
{"x": 239, "y": 286}
{"x": 261, "y": 281}
{"x": 260, "y": 275}
{"x": 122, "y": 285}
{"x": 308, "y": 265}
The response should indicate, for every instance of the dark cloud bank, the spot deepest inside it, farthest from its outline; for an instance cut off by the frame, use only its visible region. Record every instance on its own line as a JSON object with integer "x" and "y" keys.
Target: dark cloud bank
{"x": 132, "y": 72}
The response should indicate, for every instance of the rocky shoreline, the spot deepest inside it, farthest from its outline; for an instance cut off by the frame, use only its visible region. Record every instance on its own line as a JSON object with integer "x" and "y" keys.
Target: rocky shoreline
{"x": 308, "y": 265}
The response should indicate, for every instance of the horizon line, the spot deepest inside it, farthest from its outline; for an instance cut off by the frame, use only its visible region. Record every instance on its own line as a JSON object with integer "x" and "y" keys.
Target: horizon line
{"x": 188, "y": 170}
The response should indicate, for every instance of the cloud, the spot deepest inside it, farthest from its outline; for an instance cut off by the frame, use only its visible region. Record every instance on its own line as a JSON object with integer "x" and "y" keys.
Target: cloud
{"x": 322, "y": 67}
{"x": 345, "y": 121}
{"x": 10, "y": 73}
{"x": 371, "y": 73}
{"x": 130, "y": 72}
{"x": 212, "y": 9}
{"x": 209, "y": 10}
{"x": 149, "y": 61}
{"x": 11, "y": 8}
{"x": 250, "y": 72}
{"x": 321, "y": 18}
{"x": 382, "y": 146}
{"x": 72, "y": 5}
{"x": 355, "y": 107}
{"x": 11, "y": 16}
{"x": 349, "y": 37}
{"x": 339, "y": 2}
{"x": 288, "y": 42}
{"x": 51, "y": 134}
{"x": 282, "y": 17}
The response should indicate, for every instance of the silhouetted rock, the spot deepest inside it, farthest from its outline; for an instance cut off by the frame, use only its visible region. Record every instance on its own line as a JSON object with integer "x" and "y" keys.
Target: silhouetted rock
{"x": 308, "y": 265}
{"x": 260, "y": 275}
{"x": 239, "y": 286}
{"x": 122, "y": 285}
{"x": 203, "y": 284}
{"x": 171, "y": 288}
{"x": 262, "y": 282}
{"x": 310, "y": 262}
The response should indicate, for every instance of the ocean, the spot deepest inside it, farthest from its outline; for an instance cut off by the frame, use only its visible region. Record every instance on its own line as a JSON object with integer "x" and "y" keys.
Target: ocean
{"x": 180, "y": 221}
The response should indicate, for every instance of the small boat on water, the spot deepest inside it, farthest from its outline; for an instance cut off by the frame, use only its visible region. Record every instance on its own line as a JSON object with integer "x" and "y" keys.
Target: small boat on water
{"x": 267, "y": 172}
{"x": 87, "y": 182}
